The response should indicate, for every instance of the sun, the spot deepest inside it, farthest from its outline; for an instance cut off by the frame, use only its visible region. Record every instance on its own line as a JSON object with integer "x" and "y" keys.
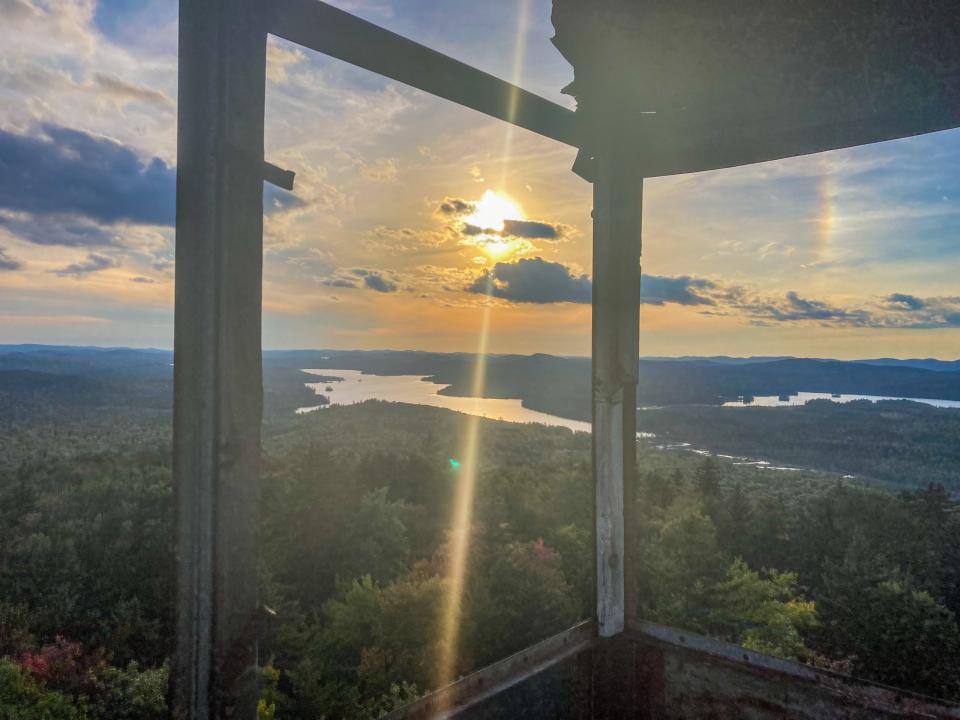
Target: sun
{"x": 490, "y": 215}
{"x": 498, "y": 248}
{"x": 491, "y": 211}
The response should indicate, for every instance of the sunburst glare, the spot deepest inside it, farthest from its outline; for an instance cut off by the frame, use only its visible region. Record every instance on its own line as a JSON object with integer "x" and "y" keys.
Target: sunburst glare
{"x": 492, "y": 210}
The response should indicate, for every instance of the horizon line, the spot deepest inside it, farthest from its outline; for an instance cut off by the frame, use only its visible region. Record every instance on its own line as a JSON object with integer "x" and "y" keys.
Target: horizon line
{"x": 686, "y": 356}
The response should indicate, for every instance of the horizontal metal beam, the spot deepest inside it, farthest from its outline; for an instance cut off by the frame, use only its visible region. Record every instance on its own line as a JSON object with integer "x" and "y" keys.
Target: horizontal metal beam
{"x": 278, "y": 176}
{"x": 334, "y": 32}
{"x": 469, "y": 691}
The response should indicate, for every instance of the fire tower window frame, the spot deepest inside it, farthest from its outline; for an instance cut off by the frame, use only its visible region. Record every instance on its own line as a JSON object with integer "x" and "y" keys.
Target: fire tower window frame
{"x": 218, "y": 378}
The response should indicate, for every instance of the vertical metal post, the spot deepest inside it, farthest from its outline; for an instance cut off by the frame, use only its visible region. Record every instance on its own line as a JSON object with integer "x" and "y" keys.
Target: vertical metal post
{"x": 217, "y": 375}
{"x": 617, "y": 213}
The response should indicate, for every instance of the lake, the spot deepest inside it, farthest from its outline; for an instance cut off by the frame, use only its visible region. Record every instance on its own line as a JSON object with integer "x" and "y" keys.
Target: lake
{"x": 801, "y": 398}
{"x": 357, "y": 387}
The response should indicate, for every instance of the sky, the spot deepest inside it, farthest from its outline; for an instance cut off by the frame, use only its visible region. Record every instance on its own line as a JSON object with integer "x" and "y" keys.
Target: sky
{"x": 411, "y": 215}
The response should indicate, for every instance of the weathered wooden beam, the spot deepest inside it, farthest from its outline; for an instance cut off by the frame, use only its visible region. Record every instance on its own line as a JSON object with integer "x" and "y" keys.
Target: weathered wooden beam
{"x": 334, "y": 32}
{"x": 473, "y": 690}
{"x": 617, "y": 212}
{"x": 217, "y": 372}
{"x": 278, "y": 176}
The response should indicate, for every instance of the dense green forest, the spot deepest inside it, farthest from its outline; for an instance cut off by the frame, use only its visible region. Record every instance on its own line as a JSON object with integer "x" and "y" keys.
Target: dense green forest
{"x": 355, "y": 516}
{"x": 356, "y": 507}
{"x": 899, "y": 443}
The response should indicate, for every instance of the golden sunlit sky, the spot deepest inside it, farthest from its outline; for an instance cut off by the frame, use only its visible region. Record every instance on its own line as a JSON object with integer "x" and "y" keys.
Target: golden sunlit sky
{"x": 407, "y": 208}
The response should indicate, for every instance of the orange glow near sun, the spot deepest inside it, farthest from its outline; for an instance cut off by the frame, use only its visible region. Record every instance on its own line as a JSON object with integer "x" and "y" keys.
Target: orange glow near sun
{"x": 491, "y": 213}
{"x": 492, "y": 209}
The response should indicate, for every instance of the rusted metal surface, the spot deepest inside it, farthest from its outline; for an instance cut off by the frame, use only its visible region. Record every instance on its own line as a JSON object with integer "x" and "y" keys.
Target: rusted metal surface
{"x": 471, "y": 695}
{"x": 334, "y": 32}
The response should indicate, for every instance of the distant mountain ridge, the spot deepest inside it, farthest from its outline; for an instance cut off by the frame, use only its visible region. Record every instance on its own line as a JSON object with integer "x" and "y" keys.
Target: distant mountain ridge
{"x": 557, "y": 385}
{"x": 920, "y": 363}
{"x": 282, "y": 356}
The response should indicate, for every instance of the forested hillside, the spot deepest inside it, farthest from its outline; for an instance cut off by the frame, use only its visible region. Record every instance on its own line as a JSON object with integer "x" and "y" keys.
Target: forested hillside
{"x": 561, "y": 385}
{"x": 356, "y": 508}
{"x": 901, "y": 444}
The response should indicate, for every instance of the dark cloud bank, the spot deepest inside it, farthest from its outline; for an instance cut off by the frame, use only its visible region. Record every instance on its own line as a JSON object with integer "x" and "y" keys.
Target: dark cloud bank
{"x": 68, "y": 172}
{"x": 66, "y": 187}
{"x": 535, "y": 280}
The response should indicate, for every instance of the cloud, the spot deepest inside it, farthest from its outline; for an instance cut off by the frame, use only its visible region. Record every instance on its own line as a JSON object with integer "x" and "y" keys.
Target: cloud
{"x": 14, "y": 10}
{"x": 906, "y": 302}
{"x": 70, "y": 172}
{"x": 381, "y": 170}
{"x": 814, "y": 309}
{"x": 541, "y": 281}
{"x": 455, "y": 207}
{"x": 66, "y": 230}
{"x": 277, "y": 199}
{"x": 525, "y": 229}
{"x": 383, "y": 239}
{"x": 282, "y": 56}
{"x": 454, "y": 211}
{"x": 142, "y": 279}
{"x": 533, "y": 229}
{"x": 7, "y": 262}
{"x": 533, "y": 280}
{"x": 798, "y": 308}
{"x": 682, "y": 290}
{"x": 125, "y": 91}
{"x": 107, "y": 89}
{"x": 896, "y": 311}
{"x": 93, "y": 263}
{"x": 377, "y": 282}
{"x": 361, "y": 277}
{"x": 339, "y": 282}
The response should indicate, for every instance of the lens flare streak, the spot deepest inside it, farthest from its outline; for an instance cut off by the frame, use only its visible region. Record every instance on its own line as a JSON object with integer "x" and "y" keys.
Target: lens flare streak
{"x": 459, "y": 541}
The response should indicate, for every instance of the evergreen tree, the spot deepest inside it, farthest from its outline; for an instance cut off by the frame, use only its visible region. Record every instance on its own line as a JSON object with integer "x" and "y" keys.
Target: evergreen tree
{"x": 735, "y": 529}
{"x": 708, "y": 477}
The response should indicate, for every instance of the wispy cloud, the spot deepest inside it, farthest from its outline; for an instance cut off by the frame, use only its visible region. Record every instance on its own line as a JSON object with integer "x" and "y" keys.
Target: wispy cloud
{"x": 353, "y": 278}
{"x": 55, "y": 229}
{"x": 682, "y": 290}
{"x": 7, "y": 262}
{"x": 376, "y": 281}
{"x": 93, "y": 263}
{"x": 896, "y": 311}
